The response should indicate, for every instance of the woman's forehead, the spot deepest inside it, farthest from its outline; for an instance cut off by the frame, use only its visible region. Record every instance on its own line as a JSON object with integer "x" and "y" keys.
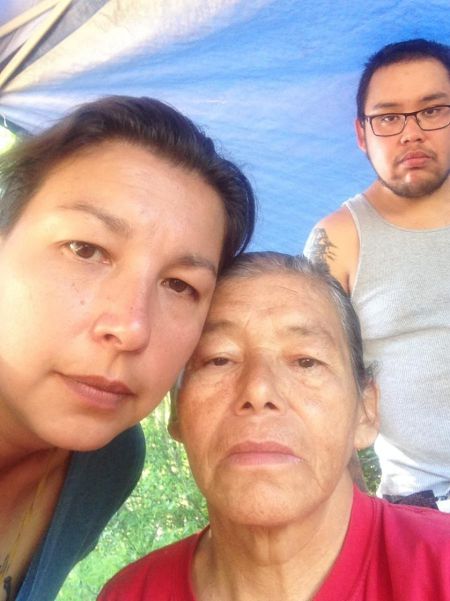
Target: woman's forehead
{"x": 290, "y": 302}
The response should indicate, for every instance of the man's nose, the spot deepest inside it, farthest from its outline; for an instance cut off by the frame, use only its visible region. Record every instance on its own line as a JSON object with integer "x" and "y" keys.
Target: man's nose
{"x": 260, "y": 388}
{"x": 125, "y": 314}
{"x": 412, "y": 130}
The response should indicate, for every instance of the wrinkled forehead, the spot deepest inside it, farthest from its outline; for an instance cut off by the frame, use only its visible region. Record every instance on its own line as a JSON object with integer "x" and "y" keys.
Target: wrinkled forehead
{"x": 251, "y": 310}
{"x": 267, "y": 292}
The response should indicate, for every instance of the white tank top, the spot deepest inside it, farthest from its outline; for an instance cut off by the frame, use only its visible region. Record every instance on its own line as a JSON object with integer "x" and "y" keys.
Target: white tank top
{"x": 402, "y": 297}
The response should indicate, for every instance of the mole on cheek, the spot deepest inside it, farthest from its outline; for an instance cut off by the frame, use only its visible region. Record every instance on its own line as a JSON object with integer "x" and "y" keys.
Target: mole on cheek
{"x": 75, "y": 293}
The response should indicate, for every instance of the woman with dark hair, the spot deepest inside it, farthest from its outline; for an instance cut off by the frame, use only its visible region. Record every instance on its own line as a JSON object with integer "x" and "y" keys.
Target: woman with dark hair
{"x": 113, "y": 226}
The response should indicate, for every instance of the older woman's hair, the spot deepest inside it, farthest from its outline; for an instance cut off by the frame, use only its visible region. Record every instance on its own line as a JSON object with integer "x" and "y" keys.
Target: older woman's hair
{"x": 252, "y": 264}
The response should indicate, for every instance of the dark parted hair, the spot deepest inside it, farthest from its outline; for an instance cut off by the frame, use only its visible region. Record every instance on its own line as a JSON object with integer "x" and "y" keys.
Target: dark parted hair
{"x": 252, "y": 264}
{"x": 399, "y": 52}
{"x": 145, "y": 122}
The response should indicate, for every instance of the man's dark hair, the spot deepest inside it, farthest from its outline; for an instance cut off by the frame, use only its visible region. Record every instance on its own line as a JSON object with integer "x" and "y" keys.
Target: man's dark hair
{"x": 400, "y": 52}
{"x": 145, "y": 122}
{"x": 253, "y": 264}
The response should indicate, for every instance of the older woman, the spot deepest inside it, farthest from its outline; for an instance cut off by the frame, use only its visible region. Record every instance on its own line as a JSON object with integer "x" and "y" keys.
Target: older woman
{"x": 114, "y": 224}
{"x": 274, "y": 401}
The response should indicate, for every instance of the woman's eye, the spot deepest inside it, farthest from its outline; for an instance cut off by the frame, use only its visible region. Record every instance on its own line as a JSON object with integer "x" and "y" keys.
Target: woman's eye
{"x": 218, "y": 361}
{"x": 306, "y": 362}
{"x": 180, "y": 287}
{"x": 89, "y": 252}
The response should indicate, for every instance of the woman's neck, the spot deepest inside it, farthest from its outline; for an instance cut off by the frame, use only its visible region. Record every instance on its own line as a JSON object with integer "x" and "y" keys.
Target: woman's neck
{"x": 30, "y": 490}
{"x": 18, "y": 445}
{"x": 237, "y": 562}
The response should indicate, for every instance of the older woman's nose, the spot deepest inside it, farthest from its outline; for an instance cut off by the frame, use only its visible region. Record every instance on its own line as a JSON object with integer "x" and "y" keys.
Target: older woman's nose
{"x": 259, "y": 388}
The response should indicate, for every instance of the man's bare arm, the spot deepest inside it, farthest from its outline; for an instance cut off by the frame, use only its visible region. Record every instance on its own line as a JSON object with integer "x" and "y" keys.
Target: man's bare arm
{"x": 319, "y": 247}
{"x": 334, "y": 243}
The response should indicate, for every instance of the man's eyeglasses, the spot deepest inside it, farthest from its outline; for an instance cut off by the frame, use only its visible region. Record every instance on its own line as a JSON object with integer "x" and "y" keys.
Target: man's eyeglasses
{"x": 392, "y": 124}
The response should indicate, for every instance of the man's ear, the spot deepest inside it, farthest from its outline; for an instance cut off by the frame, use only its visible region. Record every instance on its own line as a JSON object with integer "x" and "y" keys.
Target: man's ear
{"x": 368, "y": 422}
{"x": 360, "y": 135}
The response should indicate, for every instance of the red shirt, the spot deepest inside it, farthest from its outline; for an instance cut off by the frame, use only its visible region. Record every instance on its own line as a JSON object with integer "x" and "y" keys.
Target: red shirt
{"x": 390, "y": 553}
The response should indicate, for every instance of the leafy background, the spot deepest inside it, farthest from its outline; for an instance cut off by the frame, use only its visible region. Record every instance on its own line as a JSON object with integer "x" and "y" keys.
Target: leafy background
{"x": 164, "y": 507}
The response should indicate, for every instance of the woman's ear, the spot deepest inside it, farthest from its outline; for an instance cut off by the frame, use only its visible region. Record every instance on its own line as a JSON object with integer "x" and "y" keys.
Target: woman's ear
{"x": 368, "y": 422}
{"x": 173, "y": 428}
{"x": 173, "y": 425}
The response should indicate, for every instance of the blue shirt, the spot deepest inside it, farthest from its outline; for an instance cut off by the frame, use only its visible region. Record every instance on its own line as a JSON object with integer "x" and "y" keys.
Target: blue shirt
{"x": 96, "y": 485}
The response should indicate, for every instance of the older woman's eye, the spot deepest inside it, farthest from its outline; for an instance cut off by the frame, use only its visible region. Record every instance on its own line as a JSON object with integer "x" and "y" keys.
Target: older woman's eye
{"x": 306, "y": 362}
{"x": 219, "y": 361}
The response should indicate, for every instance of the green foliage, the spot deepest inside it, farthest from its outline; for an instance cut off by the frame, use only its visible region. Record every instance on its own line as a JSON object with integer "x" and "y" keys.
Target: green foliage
{"x": 371, "y": 468}
{"x": 7, "y": 139}
{"x": 164, "y": 507}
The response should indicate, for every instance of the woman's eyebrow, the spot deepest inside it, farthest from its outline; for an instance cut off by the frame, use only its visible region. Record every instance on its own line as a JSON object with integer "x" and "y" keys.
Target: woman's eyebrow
{"x": 116, "y": 224}
{"x": 197, "y": 261}
{"x": 309, "y": 331}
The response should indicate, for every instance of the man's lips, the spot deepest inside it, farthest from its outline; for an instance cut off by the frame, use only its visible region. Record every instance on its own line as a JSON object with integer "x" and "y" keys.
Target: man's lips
{"x": 97, "y": 391}
{"x": 414, "y": 158}
{"x": 261, "y": 453}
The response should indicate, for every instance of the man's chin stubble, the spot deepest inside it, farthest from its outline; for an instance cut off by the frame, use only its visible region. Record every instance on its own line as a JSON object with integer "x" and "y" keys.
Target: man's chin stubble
{"x": 417, "y": 190}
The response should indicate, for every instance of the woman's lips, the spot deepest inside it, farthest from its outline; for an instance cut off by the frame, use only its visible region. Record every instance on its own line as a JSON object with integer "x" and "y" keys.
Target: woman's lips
{"x": 97, "y": 391}
{"x": 261, "y": 453}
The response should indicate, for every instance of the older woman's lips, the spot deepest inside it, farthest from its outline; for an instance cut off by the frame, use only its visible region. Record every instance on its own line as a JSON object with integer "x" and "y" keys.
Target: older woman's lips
{"x": 261, "y": 453}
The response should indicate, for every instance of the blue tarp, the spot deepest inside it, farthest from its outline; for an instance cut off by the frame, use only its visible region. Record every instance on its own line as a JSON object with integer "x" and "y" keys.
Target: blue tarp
{"x": 274, "y": 81}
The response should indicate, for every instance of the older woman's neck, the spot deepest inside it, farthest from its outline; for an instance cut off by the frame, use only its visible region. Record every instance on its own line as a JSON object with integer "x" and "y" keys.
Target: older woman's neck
{"x": 288, "y": 563}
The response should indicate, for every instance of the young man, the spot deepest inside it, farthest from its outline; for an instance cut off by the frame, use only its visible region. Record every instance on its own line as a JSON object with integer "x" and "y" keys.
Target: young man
{"x": 272, "y": 404}
{"x": 389, "y": 247}
{"x": 113, "y": 226}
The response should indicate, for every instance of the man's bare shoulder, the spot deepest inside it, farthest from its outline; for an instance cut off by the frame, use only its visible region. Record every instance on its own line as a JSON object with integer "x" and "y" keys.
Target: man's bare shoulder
{"x": 334, "y": 242}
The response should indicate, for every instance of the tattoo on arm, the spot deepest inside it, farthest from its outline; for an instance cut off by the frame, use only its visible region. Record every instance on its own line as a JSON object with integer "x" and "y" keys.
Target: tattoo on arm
{"x": 320, "y": 248}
